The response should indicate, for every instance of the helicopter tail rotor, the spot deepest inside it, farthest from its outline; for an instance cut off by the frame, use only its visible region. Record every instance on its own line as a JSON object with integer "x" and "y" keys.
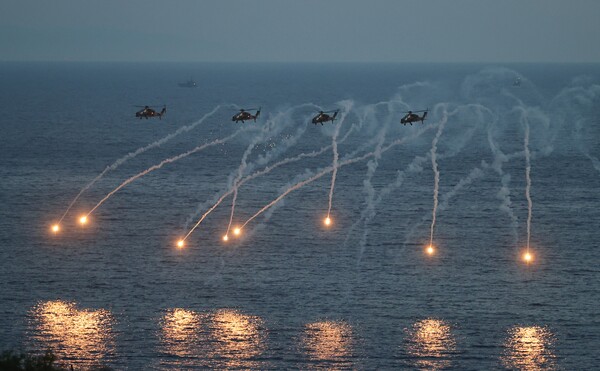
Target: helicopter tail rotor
{"x": 257, "y": 113}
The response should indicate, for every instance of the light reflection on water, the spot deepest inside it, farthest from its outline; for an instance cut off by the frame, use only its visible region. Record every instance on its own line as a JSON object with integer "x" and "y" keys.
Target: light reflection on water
{"x": 529, "y": 348}
{"x": 240, "y": 338}
{"x": 431, "y": 343}
{"x": 226, "y": 338}
{"x": 329, "y": 341}
{"x": 80, "y": 337}
{"x": 180, "y": 335}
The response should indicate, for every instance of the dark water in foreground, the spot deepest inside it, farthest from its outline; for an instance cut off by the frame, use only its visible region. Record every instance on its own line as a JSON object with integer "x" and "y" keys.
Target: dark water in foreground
{"x": 290, "y": 292}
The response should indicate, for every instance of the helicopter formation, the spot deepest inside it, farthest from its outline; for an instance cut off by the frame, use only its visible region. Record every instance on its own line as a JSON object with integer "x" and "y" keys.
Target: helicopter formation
{"x": 243, "y": 115}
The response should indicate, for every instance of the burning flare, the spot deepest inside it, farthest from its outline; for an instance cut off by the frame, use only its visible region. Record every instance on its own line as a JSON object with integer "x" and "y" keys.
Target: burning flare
{"x": 225, "y": 238}
{"x": 528, "y": 257}
{"x": 56, "y": 228}
{"x": 180, "y": 244}
{"x": 430, "y": 250}
{"x": 327, "y": 221}
{"x": 237, "y": 231}
{"x": 83, "y": 220}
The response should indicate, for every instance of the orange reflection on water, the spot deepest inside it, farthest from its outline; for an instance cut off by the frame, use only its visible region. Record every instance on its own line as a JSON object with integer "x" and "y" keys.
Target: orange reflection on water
{"x": 179, "y": 336}
{"x": 81, "y": 337}
{"x": 328, "y": 340}
{"x": 240, "y": 338}
{"x": 431, "y": 342}
{"x": 529, "y": 348}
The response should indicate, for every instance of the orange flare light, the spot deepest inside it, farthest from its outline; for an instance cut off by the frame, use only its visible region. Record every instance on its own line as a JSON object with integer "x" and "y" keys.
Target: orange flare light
{"x": 237, "y": 231}
{"x": 83, "y": 220}
{"x": 430, "y": 250}
{"x": 226, "y": 238}
{"x": 327, "y": 221}
{"x": 528, "y": 257}
{"x": 180, "y": 244}
{"x": 55, "y": 228}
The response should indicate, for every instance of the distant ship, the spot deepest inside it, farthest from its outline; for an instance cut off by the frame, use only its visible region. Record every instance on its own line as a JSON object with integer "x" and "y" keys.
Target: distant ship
{"x": 188, "y": 84}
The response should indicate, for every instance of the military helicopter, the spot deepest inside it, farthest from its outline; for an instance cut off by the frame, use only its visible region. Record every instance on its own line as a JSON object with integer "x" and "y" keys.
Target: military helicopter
{"x": 244, "y": 115}
{"x": 147, "y": 112}
{"x": 413, "y": 117}
{"x": 324, "y": 117}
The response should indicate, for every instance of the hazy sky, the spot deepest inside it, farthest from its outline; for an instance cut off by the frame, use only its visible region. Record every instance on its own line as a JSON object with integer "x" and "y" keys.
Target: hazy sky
{"x": 301, "y": 30}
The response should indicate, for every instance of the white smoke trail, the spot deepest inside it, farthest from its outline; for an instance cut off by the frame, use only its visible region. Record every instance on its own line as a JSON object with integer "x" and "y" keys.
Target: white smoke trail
{"x": 336, "y": 155}
{"x": 369, "y": 212}
{"x": 473, "y": 175}
{"x": 250, "y": 177}
{"x": 133, "y": 154}
{"x": 340, "y": 164}
{"x": 504, "y": 192}
{"x": 272, "y": 127}
{"x": 595, "y": 161}
{"x": 416, "y": 166}
{"x": 161, "y": 164}
{"x": 335, "y": 162}
{"x": 528, "y": 179}
{"x": 436, "y": 186}
{"x": 260, "y": 173}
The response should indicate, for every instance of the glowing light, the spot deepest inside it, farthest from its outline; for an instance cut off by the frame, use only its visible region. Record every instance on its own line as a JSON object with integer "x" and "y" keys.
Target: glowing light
{"x": 237, "y": 231}
{"x": 180, "y": 338}
{"x": 327, "y": 221}
{"x": 226, "y": 238}
{"x": 55, "y": 228}
{"x": 180, "y": 243}
{"x": 430, "y": 250}
{"x": 82, "y": 336}
{"x": 240, "y": 339}
{"x": 529, "y": 348}
{"x": 329, "y": 340}
{"x": 83, "y": 220}
{"x": 528, "y": 257}
{"x": 432, "y": 344}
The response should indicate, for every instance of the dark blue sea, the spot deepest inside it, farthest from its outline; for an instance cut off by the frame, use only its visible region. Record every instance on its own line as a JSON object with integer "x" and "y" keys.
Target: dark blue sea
{"x": 505, "y": 163}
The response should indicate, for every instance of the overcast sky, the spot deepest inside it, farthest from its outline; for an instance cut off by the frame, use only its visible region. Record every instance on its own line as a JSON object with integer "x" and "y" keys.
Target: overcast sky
{"x": 301, "y": 30}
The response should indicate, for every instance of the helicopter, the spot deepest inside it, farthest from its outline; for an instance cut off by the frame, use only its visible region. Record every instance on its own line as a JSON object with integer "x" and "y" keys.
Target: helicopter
{"x": 245, "y": 115}
{"x": 324, "y": 117}
{"x": 413, "y": 117}
{"x": 147, "y": 112}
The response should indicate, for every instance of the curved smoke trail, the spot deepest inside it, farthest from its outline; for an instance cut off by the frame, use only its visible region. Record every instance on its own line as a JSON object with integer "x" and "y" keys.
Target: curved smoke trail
{"x": 250, "y": 177}
{"x": 417, "y": 166}
{"x": 271, "y": 124}
{"x": 436, "y": 172}
{"x": 504, "y": 193}
{"x": 161, "y": 164}
{"x": 369, "y": 212}
{"x": 340, "y": 164}
{"x": 265, "y": 171}
{"x": 528, "y": 179}
{"x": 336, "y": 155}
{"x": 133, "y": 154}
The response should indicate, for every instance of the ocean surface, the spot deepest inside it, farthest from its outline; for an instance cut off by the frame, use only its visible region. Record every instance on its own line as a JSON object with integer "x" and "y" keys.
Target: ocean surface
{"x": 506, "y": 162}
